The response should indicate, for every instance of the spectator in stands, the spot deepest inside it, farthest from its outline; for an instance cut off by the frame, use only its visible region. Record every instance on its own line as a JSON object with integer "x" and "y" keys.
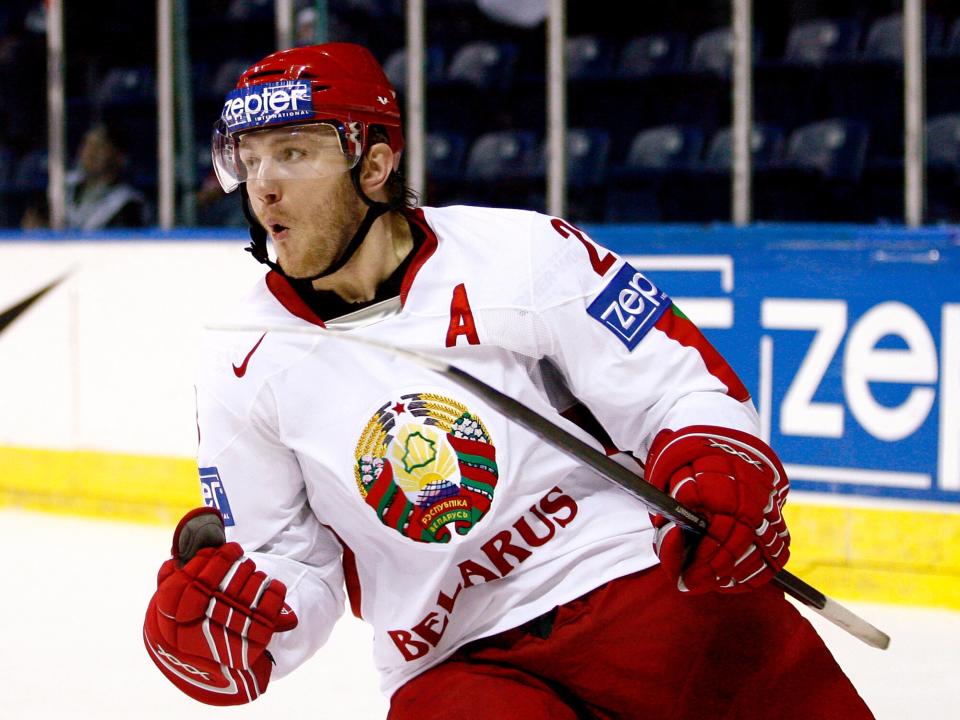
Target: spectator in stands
{"x": 97, "y": 195}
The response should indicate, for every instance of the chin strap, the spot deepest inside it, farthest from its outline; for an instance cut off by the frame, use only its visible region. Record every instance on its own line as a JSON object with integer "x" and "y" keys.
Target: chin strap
{"x": 258, "y": 236}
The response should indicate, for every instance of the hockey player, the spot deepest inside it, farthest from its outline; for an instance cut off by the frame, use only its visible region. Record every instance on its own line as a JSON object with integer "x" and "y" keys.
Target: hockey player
{"x": 502, "y": 579}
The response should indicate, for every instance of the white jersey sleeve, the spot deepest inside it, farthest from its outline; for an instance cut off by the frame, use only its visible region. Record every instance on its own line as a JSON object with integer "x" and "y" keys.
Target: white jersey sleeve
{"x": 249, "y": 474}
{"x": 623, "y": 348}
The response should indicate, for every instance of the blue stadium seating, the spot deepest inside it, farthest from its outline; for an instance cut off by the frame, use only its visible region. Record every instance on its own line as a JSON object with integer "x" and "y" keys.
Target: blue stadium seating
{"x": 657, "y": 157}
{"x": 499, "y": 155}
{"x": 652, "y": 54}
{"x": 587, "y": 156}
{"x": 251, "y": 10}
{"x": 943, "y": 141}
{"x": 485, "y": 66}
{"x": 793, "y": 90}
{"x": 127, "y": 86}
{"x": 884, "y": 41}
{"x": 589, "y": 57}
{"x": 817, "y": 178}
{"x": 766, "y": 146}
{"x": 395, "y": 67}
{"x": 815, "y": 42}
{"x": 663, "y": 148}
{"x": 445, "y": 153}
{"x": 31, "y": 172}
{"x": 499, "y": 167}
{"x": 834, "y": 148}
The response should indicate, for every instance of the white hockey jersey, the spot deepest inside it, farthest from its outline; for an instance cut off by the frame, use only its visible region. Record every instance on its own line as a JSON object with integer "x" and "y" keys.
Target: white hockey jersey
{"x": 341, "y": 466}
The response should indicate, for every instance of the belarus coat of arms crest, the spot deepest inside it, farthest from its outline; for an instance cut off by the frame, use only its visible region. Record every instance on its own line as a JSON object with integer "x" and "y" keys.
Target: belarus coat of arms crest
{"x": 427, "y": 467}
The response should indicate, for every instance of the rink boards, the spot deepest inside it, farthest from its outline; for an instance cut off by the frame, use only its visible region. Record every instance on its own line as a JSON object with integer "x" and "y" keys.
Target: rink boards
{"x": 848, "y": 338}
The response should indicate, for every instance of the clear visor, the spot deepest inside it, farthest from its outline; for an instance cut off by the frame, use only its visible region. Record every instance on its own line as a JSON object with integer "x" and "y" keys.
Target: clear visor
{"x": 295, "y": 152}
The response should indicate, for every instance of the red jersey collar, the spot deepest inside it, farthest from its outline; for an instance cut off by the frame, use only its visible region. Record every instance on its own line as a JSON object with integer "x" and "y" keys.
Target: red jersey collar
{"x": 283, "y": 291}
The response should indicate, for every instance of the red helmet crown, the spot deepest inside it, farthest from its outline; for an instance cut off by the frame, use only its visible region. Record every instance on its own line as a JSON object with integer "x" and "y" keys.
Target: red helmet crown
{"x": 346, "y": 82}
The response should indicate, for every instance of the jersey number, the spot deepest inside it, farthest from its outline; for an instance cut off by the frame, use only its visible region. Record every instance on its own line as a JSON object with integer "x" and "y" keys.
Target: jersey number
{"x": 600, "y": 264}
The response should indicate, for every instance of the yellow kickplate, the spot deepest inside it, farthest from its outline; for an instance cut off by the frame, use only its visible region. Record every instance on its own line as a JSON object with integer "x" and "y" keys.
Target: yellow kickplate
{"x": 872, "y": 554}
{"x": 902, "y": 556}
{"x": 139, "y": 488}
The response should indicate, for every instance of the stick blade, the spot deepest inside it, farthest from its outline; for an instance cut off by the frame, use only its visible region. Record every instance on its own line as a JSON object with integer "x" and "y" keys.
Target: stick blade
{"x": 854, "y": 624}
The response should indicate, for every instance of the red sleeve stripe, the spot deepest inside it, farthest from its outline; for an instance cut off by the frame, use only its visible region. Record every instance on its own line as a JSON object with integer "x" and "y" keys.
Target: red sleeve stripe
{"x": 675, "y": 325}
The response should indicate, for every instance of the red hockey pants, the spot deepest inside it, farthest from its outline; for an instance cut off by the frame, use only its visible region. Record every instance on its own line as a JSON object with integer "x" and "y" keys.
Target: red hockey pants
{"x": 637, "y": 648}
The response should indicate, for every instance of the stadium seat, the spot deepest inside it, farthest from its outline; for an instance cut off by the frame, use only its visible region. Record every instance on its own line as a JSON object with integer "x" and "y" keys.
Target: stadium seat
{"x": 702, "y": 192}
{"x": 31, "y": 172}
{"x": 663, "y": 148}
{"x": 943, "y": 169}
{"x": 951, "y": 44}
{"x": 225, "y": 76}
{"x": 884, "y": 41}
{"x": 501, "y": 154}
{"x": 834, "y": 148}
{"x": 587, "y": 156}
{"x": 474, "y": 95}
{"x": 943, "y": 68}
{"x": 943, "y": 141}
{"x": 127, "y": 86}
{"x": 657, "y": 157}
{"x": 712, "y": 52}
{"x": 483, "y": 65}
{"x": 793, "y": 90}
{"x": 766, "y": 146}
{"x": 589, "y": 57}
{"x": 817, "y": 179}
{"x": 395, "y": 67}
{"x": 445, "y": 153}
{"x": 652, "y": 54}
{"x": 251, "y": 10}
{"x": 815, "y": 42}
{"x": 499, "y": 168}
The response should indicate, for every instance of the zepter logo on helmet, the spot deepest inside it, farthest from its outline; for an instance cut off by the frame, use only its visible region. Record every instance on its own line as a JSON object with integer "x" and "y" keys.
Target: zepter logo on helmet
{"x": 303, "y": 113}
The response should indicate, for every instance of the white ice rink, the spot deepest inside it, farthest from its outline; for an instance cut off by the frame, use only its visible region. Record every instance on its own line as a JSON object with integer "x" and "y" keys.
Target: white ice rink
{"x": 74, "y": 593}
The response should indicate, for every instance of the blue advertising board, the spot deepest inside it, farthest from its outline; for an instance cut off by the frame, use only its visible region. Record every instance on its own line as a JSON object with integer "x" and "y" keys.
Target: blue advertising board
{"x": 848, "y": 338}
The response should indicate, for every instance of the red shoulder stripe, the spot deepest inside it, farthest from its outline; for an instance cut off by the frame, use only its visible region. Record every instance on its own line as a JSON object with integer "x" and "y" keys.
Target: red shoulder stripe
{"x": 677, "y": 327}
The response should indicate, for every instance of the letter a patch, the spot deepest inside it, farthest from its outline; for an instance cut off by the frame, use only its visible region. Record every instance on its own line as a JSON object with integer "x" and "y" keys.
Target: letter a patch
{"x": 461, "y": 319}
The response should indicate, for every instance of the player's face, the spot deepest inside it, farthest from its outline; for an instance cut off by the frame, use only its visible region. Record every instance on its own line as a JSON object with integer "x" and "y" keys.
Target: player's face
{"x": 301, "y": 192}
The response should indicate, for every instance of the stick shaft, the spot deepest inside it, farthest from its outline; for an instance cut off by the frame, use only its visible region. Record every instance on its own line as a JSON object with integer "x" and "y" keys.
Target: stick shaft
{"x": 656, "y": 500}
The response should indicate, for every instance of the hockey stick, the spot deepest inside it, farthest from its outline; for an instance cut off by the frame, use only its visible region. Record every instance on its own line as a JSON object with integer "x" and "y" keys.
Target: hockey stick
{"x": 607, "y": 468}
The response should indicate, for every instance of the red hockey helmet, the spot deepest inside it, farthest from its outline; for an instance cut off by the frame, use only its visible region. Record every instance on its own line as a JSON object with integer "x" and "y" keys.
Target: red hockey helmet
{"x": 340, "y": 85}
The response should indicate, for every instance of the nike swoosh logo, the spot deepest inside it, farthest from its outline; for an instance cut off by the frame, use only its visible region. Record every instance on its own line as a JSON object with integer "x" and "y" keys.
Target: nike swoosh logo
{"x": 242, "y": 370}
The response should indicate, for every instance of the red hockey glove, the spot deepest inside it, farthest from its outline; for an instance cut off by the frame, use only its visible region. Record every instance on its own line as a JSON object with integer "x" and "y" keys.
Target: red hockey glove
{"x": 213, "y": 614}
{"x": 738, "y": 484}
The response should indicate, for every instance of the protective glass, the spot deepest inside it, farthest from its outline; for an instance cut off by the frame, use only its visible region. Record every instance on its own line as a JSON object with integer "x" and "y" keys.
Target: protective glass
{"x": 294, "y": 152}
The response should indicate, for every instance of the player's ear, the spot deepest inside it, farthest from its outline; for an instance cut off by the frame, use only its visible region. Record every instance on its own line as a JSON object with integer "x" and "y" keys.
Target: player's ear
{"x": 378, "y": 163}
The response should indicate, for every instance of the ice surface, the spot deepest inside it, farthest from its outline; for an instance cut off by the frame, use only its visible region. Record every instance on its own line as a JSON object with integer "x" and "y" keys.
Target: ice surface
{"x": 71, "y": 610}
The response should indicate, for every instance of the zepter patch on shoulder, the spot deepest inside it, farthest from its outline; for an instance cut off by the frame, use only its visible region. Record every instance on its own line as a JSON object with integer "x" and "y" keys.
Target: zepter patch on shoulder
{"x": 629, "y": 306}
